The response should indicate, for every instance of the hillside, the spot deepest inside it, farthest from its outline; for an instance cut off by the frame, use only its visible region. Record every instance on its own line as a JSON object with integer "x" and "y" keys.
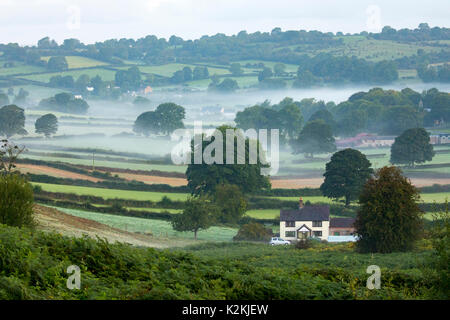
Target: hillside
{"x": 52, "y": 220}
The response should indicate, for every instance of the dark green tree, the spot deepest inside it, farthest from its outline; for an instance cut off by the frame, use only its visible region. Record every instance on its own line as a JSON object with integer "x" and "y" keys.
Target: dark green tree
{"x": 164, "y": 120}
{"x": 198, "y": 214}
{"x": 12, "y": 121}
{"x": 389, "y": 218}
{"x": 412, "y": 146}
{"x": 170, "y": 117}
{"x": 315, "y": 137}
{"x": 203, "y": 178}
{"x": 265, "y": 74}
{"x": 47, "y": 125}
{"x": 16, "y": 201}
{"x": 279, "y": 69}
{"x": 58, "y": 63}
{"x": 226, "y": 86}
{"x": 236, "y": 69}
{"x": 345, "y": 175}
{"x": 231, "y": 203}
{"x": 398, "y": 119}
{"x": 253, "y": 231}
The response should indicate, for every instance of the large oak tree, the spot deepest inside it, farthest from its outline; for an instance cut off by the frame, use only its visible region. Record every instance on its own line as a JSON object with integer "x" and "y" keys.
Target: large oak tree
{"x": 389, "y": 218}
{"x": 346, "y": 174}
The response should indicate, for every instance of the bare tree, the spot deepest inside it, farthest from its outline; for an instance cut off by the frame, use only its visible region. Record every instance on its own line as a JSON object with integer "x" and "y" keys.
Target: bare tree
{"x": 9, "y": 152}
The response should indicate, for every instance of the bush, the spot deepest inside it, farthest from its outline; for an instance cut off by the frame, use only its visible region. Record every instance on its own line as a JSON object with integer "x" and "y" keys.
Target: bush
{"x": 253, "y": 231}
{"x": 16, "y": 201}
{"x": 303, "y": 244}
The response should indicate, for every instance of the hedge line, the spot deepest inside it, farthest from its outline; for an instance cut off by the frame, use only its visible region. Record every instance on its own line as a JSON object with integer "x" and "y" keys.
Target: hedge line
{"x": 119, "y": 185}
{"x": 165, "y": 202}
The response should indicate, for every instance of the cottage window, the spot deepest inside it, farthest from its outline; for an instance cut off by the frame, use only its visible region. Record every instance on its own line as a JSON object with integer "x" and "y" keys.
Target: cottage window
{"x": 317, "y": 233}
{"x": 317, "y": 224}
{"x": 290, "y": 223}
{"x": 289, "y": 234}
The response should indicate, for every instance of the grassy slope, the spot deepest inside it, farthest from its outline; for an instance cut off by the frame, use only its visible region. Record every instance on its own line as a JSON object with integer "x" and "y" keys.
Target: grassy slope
{"x": 112, "y": 193}
{"x": 156, "y": 227}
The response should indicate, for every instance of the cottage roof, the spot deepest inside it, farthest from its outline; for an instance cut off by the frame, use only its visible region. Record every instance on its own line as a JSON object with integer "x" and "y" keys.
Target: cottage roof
{"x": 341, "y": 222}
{"x": 307, "y": 213}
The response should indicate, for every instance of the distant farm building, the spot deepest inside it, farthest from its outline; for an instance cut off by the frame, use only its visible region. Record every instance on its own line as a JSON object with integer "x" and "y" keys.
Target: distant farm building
{"x": 365, "y": 140}
{"x": 440, "y": 138}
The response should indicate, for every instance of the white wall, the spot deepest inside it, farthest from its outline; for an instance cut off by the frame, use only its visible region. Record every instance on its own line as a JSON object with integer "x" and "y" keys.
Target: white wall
{"x": 325, "y": 229}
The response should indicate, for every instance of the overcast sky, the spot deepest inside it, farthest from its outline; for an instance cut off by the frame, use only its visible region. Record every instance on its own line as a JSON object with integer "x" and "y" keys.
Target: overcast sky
{"x": 26, "y": 21}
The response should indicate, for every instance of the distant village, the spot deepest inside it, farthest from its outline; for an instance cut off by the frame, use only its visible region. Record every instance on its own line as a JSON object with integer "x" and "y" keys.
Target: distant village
{"x": 367, "y": 140}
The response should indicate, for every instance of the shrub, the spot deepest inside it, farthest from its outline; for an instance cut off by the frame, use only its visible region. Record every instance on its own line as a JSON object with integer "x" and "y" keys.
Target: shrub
{"x": 16, "y": 201}
{"x": 303, "y": 244}
{"x": 253, "y": 231}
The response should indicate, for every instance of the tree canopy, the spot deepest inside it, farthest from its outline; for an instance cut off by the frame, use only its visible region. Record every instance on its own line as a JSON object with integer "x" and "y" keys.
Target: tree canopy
{"x": 412, "y": 146}
{"x": 198, "y": 214}
{"x": 345, "y": 175}
{"x": 204, "y": 178}
{"x": 315, "y": 137}
{"x": 47, "y": 124}
{"x": 389, "y": 218}
{"x": 64, "y": 102}
{"x": 12, "y": 121}
{"x": 164, "y": 120}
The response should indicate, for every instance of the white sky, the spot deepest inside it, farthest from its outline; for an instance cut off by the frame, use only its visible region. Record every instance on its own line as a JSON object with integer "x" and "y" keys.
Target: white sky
{"x": 27, "y": 21}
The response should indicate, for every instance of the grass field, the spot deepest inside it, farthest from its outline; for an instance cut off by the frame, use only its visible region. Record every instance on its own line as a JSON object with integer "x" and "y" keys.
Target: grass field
{"x": 167, "y": 70}
{"x": 376, "y": 50}
{"x": 112, "y": 164}
{"x": 270, "y": 64}
{"x": 19, "y": 68}
{"x": 107, "y": 75}
{"x": 75, "y": 62}
{"x": 158, "y": 228}
{"x": 112, "y": 193}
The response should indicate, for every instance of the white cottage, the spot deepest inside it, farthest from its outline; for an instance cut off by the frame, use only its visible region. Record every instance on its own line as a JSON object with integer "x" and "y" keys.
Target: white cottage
{"x": 306, "y": 221}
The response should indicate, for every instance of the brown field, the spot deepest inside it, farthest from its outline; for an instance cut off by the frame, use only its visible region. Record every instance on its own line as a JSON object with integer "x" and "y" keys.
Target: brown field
{"x": 175, "y": 182}
{"x": 316, "y": 182}
{"x": 35, "y": 169}
{"x": 52, "y": 220}
{"x": 277, "y": 182}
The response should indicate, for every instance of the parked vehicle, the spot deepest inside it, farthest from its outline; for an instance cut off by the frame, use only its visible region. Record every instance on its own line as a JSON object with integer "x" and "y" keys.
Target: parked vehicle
{"x": 277, "y": 241}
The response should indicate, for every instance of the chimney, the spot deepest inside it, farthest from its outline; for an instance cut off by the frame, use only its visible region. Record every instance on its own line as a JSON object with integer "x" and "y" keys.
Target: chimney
{"x": 300, "y": 203}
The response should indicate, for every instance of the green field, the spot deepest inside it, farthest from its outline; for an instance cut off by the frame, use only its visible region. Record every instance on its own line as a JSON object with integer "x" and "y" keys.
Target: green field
{"x": 270, "y": 64}
{"x": 75, "y": 62}
{"x": 106, "y": 75}
{"x": 167, "y": 70}
{"x": 112, "y": 164}
{"x": 19, "y": 68}
{"x": 156, "y": 227}
{"x": 435, "y": 197}
{"x": 375, "y": 50}
{"x": 112, "y": 193}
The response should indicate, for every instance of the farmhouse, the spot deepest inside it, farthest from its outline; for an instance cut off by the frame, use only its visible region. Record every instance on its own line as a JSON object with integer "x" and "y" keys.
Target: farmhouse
{"x": 365, "y": 140}
{"x": 313, "y": 221}
{"x": 307, "y": 221}
{"x": 341, "y": 226}
{"x": 440, "y": 138}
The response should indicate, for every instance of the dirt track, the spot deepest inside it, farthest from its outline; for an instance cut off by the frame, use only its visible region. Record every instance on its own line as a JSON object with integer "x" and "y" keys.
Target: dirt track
{"x": 50, "y": 219}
